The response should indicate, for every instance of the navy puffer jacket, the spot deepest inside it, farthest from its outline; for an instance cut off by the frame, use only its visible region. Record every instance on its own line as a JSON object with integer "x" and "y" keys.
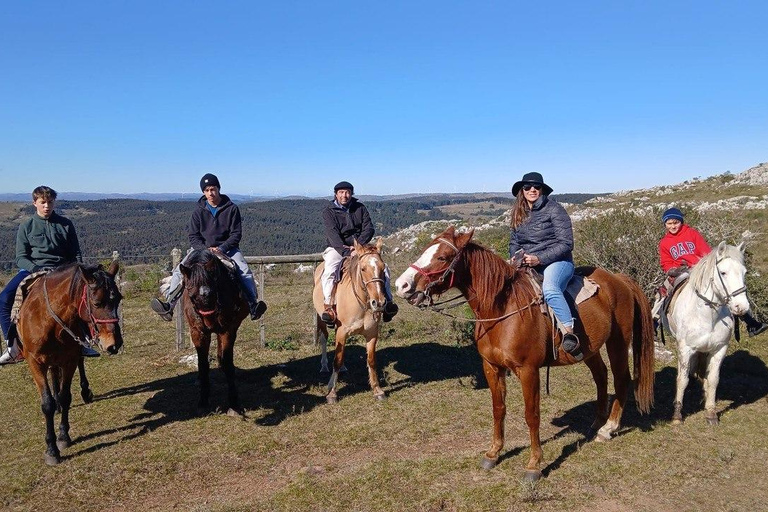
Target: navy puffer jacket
{"x": 546, "y": 233}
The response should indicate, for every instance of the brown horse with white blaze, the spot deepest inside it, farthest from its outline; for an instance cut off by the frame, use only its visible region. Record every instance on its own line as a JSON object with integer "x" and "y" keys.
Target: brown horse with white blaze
{"x": 512, "y": 333}
{"x": 360, "y": 300}
{"x": 59, "y": 308}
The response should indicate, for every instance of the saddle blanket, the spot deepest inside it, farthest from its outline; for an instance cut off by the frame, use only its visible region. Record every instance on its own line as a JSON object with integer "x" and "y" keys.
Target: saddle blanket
{"x": 22, "y": 291}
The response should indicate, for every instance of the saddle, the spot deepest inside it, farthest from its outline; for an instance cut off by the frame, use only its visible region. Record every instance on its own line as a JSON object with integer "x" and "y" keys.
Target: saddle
{"x": 23, "y": 290}
{"x": 579, "y": 289}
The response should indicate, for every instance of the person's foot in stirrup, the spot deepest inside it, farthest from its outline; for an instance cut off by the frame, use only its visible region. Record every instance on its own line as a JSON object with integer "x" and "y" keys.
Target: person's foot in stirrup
{"x": 754, "y": 326}
{"x": 572, "y": 346}
{"x": 12, "y": 354}
{"x": 390, "y": 310}
{"x": 164, "y": 309}
{"x": 88, "y": 352}
{"x": 257, "y": 309}
{"x": 329, "y": 315}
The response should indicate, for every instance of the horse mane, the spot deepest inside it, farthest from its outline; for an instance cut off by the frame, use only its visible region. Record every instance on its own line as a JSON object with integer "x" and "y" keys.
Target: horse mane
{"x": 198, "y": 275}
{"x": 76, "y": 283}
{"x": 354, "y": 263}
{"x": 498, "y": 280}
{"x": 707, "y": 266}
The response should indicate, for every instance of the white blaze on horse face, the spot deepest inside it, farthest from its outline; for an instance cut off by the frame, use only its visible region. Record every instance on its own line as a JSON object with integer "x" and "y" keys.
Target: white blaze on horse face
{"x": 404, "y": 283}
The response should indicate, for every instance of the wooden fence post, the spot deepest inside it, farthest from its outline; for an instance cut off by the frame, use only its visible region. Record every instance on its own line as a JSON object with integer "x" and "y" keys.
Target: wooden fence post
{"x": 178, "y": 311}
{"x": 262, "y": 325}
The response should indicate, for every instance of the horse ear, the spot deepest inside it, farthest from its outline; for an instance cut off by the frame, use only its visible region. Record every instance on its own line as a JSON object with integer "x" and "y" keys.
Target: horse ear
{"x": 379, "y": 244}
{"x": 89, "y": 271}
{"x": 450, "y": 231}
{"x": 113, "y": 268}
{"x": 356, "y": 245}
{"x": 742, "y": 247}
{"x": 721, "y": 248}
{"x": 184, "y": 270}
{"x": 462, "y": 239}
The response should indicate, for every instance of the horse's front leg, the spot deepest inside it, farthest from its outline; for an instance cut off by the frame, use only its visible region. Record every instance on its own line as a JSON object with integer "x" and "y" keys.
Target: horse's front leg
{"x": 65, "y": 401}
{"x": 202, "y": 342}
{"x": 529, "y": 379}
{"x": 373, "y": 374}
{"x": 684, "y": 356}
{"x": 497, "y": 383}
{"x": 226, "y": 357}
{"x": 338, "y": 362}
{"x": 85, "y": 387}
{"x": 714, "y": 360}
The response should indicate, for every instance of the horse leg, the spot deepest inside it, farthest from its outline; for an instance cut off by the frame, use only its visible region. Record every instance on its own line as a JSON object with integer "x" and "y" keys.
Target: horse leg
{"x": 710, "y": 384}
{"x": 599, "y": 371}
{"x": 529, "y": 378}
{"x": 65, "y": 400}
{"x": 618, "y": 355}
{"x": 226, "y": 356}
{"x": 85, "y": 388}
{"x": 52, "y": 455}
{"x": 684, "y": 357}
{"x": 497, "y": 383}
{"x": 202, "y": 344}
{"x": 338, "y": 362}
{"x": 373, "y": 374}
{"x": 323, "y": 340}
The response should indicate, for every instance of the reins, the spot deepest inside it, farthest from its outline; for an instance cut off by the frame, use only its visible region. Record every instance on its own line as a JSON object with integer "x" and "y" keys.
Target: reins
{"x": 359, "y": 276}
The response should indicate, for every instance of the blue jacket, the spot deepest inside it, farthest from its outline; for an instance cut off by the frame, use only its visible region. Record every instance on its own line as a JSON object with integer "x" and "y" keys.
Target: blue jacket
{"x": 546, "y": 233}
{"x": 223, "y": 231}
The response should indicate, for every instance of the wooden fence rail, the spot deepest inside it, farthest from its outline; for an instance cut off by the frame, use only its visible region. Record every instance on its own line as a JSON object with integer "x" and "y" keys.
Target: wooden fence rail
{"x": 261, "y": 277}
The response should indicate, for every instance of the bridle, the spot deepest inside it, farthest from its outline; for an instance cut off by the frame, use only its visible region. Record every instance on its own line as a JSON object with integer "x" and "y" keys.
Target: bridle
{"x": 728, "y": 295}
{"x": 85, "y": 303}
{"x": 365, "y": 283}
{"x": 443, "y": 272}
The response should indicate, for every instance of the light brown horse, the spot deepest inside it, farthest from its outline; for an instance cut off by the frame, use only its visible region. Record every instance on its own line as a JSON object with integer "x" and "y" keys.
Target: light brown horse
{"x": 512, "y": 333}
{"x": 213, "y": 303}
{"x": 360, "y": 302}
{"x": 59, "y": 308}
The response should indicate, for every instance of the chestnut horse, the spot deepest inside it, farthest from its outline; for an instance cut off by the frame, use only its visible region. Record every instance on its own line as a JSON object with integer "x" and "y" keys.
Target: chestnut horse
{"x": 360, "y": 302}
{"x": 512, "y": 333}
{"x": 213, "y": 303}
{"x": 57, "y": 310}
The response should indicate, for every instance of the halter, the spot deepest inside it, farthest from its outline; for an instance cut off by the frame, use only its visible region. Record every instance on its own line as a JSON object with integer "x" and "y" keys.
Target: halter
{"x": 728, "y": 296}
{"x": 450, "y": 269}
{"x": 85, "y": 301}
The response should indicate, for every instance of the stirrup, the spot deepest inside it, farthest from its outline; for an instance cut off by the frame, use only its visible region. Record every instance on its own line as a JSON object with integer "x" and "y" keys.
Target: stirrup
{"x": 164, "y": 309}
{"x": 572, "y": 346}
{"x": 12, "y": 354}
{"x": 329, "y": 315}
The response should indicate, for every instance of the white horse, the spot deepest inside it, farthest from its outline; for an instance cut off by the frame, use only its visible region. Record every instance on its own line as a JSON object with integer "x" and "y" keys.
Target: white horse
{"x": 701, "y": 320}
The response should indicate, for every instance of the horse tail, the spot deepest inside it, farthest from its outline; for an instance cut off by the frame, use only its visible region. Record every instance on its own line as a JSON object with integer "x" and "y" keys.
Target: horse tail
{"x": 642, "y": 347}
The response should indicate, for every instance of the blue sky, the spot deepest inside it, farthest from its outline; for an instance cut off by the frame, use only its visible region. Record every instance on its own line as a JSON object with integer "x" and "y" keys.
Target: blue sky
{"x": 290, "y": 97}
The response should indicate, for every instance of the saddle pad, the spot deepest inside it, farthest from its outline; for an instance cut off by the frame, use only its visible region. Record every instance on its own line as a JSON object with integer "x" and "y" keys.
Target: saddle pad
{"x": 581, "y": 288}
{"x": 22, "y": 291}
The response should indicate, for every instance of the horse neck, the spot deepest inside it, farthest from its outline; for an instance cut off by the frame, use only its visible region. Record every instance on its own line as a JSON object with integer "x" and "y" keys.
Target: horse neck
{"x": 65, "y": 293}
{"x": 489, "y": 283}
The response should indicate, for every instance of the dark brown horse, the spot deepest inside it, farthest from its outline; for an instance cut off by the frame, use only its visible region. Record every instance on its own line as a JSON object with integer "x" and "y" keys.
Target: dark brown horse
{"x": 512, "y": 333}
{"x": 59, "y": 308}
{"x": 213, "y": 303}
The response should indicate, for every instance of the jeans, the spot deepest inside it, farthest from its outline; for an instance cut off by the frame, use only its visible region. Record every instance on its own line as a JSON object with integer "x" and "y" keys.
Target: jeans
{"x": 246, "y": 276}
{"x": 6, "y": 301}
{"x": 556, "y": 277}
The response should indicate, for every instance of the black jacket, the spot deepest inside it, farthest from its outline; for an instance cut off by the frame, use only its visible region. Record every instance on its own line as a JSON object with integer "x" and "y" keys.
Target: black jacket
{"x": 546, "y": 233}
{"x": 223, "y": 231}
{"x": 345, "y": 225}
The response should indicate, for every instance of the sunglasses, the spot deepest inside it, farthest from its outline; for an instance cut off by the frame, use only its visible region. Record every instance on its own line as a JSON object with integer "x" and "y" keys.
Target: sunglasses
{"x": 529, "y": 187}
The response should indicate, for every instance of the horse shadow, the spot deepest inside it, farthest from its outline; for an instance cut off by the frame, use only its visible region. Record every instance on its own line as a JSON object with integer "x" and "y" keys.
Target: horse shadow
{"x": 272, "y": 393}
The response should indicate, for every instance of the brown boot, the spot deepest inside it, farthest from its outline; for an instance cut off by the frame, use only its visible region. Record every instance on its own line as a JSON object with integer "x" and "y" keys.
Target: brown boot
{"x": 329, "y": 315}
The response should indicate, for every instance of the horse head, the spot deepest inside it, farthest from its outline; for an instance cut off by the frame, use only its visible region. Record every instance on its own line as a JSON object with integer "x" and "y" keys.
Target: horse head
{"x": 371, "y": 268}
{"x": 201, "y": 279}
{"x": 731, "y": 273}
{"x": 102, "y": 299}
{"x": 434, "y": 271}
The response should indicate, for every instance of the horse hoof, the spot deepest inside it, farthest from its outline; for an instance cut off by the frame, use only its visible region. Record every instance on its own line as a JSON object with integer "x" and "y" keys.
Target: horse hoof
{"x": 531, "y": 476}
{"x": 602, "y": 438}
{"x": 677, "y": 421}
{"x": 234, "y": 413}
{"x": 713, "y": 421}
{"x": 331, "y": 399}
{"x": 381, "y": 398}
{"x": 87, "y": 395}
{"x": 52, "y": 460}
{"x": 62, "y": 444}
{"x": 488, "y": 464}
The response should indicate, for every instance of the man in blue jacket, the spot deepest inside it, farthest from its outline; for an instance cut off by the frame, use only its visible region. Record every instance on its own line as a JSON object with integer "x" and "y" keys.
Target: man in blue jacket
{"x": 215, "y": 225}
{"x": 345, "y": 219}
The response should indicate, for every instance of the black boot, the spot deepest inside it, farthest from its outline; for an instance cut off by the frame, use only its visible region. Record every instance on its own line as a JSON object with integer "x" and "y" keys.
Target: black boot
{"x": 754, "y": 326}
{"x": 329, "y": 315}
{"x": 390, "y": 310}
{"x": 164, "y": 309}
{"x": 572, "y": 346}
{"x": 257, "y": 309}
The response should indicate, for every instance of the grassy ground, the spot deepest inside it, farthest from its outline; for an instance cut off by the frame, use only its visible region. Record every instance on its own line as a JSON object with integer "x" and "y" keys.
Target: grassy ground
{"x": 141, "y": 446}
